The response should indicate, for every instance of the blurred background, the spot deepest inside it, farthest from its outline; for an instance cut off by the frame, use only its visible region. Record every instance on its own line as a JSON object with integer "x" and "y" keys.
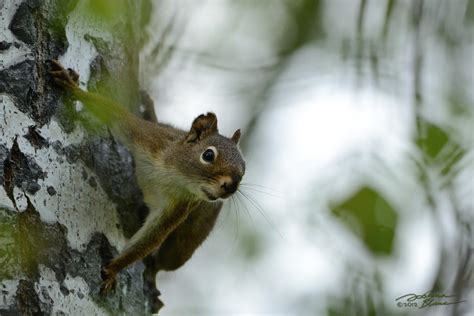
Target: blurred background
{"x": 357, "y": 121}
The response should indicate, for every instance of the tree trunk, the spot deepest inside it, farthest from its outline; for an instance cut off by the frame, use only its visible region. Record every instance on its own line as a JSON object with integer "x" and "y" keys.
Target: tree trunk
{"x": 68, "y": 196}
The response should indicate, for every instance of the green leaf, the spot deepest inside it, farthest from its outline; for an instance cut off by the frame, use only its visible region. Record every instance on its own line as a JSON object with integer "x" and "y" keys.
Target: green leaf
{"x": 432, "y": 140}
{"x": 370, "y": 217}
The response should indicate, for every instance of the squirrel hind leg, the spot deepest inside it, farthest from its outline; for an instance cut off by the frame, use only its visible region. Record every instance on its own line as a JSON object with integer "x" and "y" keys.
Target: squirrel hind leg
{"x": 149, "y": 283}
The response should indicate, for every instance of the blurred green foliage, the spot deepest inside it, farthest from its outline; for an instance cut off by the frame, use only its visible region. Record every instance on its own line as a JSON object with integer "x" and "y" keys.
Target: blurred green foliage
{"x": 251, "y": 245}
{"x": 433, "y": 140}
{"x": 26, "y": 241}
{"x": 8, "y": 245}
{"x": 106, "y": 10}
{"x": 439, "y": 147}
{"x": 371, "y": 218}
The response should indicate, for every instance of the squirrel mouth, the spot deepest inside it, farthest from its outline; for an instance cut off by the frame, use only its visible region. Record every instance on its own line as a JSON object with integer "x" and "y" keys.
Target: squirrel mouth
{"x": 209, "y": 195}
{"x": 225, "y": 196}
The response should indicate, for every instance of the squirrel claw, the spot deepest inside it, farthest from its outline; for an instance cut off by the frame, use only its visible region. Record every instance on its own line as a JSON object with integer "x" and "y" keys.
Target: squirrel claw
{"x": 74, "y": 75}
{"x": 55, "y": 64}
{"x": 109, "y": 281}
{"x": 107, "y": 285}
{"x": 67, "y": 79}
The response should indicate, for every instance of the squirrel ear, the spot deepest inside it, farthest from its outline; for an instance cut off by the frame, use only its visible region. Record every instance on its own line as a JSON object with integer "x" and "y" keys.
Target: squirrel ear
{"x": 202, "y": 125}
{"x": 236, "y": 136}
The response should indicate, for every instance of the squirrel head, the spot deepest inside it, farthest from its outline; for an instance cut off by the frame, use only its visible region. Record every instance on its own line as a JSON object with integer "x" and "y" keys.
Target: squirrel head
{"x": 211, "y": 163}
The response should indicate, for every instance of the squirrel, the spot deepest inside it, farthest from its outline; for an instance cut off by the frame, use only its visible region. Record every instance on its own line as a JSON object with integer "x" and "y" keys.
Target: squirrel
{"x": 184, "y": 177}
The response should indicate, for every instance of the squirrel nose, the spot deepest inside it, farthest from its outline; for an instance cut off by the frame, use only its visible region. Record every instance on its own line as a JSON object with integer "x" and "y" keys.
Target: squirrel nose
{"x": 231, "y": 184}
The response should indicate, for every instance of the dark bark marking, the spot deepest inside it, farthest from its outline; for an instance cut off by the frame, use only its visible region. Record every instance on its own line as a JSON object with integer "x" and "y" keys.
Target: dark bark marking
{"x": 4, "y": 45}
{"x": 51, "y": 190}
{"x": 22, "y": 25}
{"x": 113, "y": 165}
{"x": 18, "y": 82}
{"x": 35, "y": 138}
{"x": 21, "y": 171}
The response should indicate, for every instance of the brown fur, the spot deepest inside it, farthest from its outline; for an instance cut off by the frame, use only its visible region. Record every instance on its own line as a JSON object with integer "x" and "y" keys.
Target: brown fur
{"x": 178, "y": 186}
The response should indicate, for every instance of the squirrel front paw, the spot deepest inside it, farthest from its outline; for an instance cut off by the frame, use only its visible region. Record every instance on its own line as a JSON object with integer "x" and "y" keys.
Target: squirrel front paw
{"x": 109, "y": 281}
{"x": 67, "y": 79}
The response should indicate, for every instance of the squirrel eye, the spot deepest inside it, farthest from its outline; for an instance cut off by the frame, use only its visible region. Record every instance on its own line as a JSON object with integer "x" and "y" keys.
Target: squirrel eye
{"x": 209, "y": 155}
